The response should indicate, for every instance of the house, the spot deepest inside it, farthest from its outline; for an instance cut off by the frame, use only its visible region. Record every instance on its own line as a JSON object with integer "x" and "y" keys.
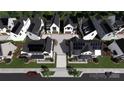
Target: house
{"x": 19, "y": 30}
{"x": 7, "y": 50}
{"x": 104, "y": 30}
{"x": 36, "y": 29}
{"x": 117, "y": 22}
{"x": 52, "y": 24}
{"x": 87, "y": 29}
{"x": 83, "y": 50}
{"x": 6, "y": 24}
{"x": 70, "y": 25}
{"x": 117, "y": 48}
{"x": 38, "y": 50}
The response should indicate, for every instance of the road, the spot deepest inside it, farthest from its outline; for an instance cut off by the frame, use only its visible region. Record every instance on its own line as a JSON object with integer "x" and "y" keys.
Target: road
{"x": 85, "y": 77}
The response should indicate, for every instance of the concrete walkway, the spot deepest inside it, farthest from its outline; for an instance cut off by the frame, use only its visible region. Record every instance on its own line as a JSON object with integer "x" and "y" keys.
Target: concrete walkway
{"x": 61, "y": 72}
{"x": 61, "y": 56}
{"x": 61, "y": 61}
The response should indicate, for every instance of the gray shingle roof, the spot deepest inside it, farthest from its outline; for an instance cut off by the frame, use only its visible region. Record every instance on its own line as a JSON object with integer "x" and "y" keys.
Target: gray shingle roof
{"x": 35, "y": 26}
{"x": 101, "y": 27}
{"x": 56, "y": 20}
{"x": 87, "y": 27}
{"x": 18, "y": 26}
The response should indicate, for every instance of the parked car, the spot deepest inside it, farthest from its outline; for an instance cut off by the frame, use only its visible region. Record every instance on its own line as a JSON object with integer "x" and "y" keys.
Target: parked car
{"x": 32, "y": 73}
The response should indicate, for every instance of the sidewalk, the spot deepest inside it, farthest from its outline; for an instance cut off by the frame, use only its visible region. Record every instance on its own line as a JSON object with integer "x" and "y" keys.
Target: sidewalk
{"x": 61, "y": 72}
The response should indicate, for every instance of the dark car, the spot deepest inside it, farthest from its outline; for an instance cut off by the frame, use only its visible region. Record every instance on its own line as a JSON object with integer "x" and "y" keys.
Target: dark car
{"x": 32, "y": 74}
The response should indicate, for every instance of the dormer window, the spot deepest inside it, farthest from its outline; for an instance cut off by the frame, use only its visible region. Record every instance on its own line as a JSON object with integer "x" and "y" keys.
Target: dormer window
{"x": 68, "y": 28}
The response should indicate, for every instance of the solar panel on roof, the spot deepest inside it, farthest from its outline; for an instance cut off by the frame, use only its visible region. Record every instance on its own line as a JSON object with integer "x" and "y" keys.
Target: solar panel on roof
{"x": 106, "y": 27}
{"x": 16, "y": 27}
{"x": 36, "y": 47}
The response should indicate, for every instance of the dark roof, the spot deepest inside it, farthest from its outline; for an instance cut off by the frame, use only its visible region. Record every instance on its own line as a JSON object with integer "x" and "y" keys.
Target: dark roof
{"x": 116, "y": 21}
{"x": 18, "y": 26}
{"x": 106, "y": 27}
{"x": 68, "y": 21}
{"x": 102, "y": 27}
{"x": 56, "y": 20}
{"x": 87, "y": 27}
{"x": 3, "y": 22}
{"x": 78, "y": 46}
{"x": 38, "y": 45}
{"x": 35, "y": 26}
{"x": 37, "y": 56}
{"x": 71, "y": 20}
{"x": 52, "y": 19}
{"x": 119, "y": 22}
{"x": 120, "y": 43}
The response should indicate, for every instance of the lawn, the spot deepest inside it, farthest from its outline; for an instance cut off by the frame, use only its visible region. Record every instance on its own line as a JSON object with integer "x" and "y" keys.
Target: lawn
{"x": 104, "y": 62}
{"x": 17, "y": 63}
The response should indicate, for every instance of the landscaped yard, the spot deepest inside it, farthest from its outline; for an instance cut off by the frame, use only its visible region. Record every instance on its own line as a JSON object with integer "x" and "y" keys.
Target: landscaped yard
{"x": 104, "y": 62}
{"x": 17, "y": 63}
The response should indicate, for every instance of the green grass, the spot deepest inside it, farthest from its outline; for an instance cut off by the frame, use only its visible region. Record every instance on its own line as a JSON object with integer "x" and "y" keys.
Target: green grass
{"x": 17, "y": 63}
{"x": 104, "y": 62}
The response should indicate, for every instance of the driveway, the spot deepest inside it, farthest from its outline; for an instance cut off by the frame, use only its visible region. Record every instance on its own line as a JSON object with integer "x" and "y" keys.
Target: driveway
{"x": 60, "y": 49}
{"x": 60, "y": 45}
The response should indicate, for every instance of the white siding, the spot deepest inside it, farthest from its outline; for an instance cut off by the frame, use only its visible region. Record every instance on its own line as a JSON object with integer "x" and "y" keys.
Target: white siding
{"x": 110, "y": 36}
{"x": 57, "y": 28}
{"x": 11, "y": 23}
{"x": 90, "y": 36}
{"x": 114, "y": 46}
{"x": 23, "y": 31}
{"x": 33, "y": 36}
{"x": 66, "y": 30}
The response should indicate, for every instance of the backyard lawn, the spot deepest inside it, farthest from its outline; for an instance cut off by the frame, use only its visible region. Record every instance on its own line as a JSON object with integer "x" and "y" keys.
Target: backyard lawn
{"x": 104, "y": 62}
{"x": 17, "y": 63}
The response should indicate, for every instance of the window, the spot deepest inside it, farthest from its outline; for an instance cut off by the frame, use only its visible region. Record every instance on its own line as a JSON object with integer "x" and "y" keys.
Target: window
{"x": 92, "y": 34}
{"x": 114, "y": 52}
{"x": 68, "y": 28}
{"x": 54, "y": 28}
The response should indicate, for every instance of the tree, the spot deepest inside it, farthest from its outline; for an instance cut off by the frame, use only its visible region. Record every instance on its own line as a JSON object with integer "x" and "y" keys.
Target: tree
{"x": 4, "y": 14}
{"x": 45, "y": 71}
{"x": 27, "y": 13}
{"x": 95, "y": 60}
{"x": 73, "y": 71}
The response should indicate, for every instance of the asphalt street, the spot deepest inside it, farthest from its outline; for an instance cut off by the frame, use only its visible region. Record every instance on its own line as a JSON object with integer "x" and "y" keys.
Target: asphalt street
{"x": 85, "y": 77}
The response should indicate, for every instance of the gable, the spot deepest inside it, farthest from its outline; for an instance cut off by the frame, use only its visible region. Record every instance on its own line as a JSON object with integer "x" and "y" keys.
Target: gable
{"x": 69, "y": 25}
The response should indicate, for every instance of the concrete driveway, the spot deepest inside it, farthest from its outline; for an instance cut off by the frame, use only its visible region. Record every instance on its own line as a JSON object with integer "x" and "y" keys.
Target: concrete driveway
{"x": 61, "y": 56}
{"x": 60, "y": 38}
